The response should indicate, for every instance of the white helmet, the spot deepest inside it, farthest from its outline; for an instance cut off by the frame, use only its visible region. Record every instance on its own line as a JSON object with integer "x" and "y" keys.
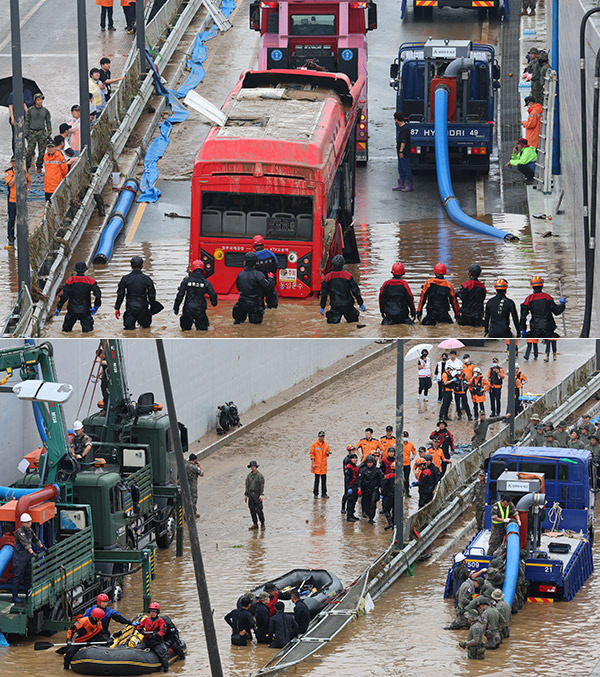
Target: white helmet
{"x": 78, "y": 425}
{"x": 477, "y": 370}
{"x": 516, "y": 365}
{"x": 26, "y": 517}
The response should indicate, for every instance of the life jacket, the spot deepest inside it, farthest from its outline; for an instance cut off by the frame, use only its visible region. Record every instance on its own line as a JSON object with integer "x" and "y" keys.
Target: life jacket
{"x": 272, "y": 602}
{"x": 355, "y": 470}
{"x": 477, "y": 385}
{"x": 386, "y": 467}
{"x": 495, "y": 377}
{"x": 83, "y": 630}
{"x": 157, "y": 625}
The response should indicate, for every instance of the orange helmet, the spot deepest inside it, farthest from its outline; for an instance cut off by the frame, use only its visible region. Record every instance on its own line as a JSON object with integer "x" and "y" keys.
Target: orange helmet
{"x": 398, "y": 269}
{"x": 439, "y": 269}
{"x": 536, "y": 281}
{"x": 350, "y": 447}
{"x": 194, "y": 265}
{"x": 501, "y": 284}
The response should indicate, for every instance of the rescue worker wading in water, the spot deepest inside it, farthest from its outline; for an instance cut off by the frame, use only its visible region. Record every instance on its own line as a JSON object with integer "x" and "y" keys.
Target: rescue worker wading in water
{"x": 266, "y": 263}
{"x": 437, "y": 299}
{"x": 77, "y": 293}
{"x": 498, "y": 312}
{"x": 342, "y": 290}
{"x": 542, "y": 308}
{"x": 194, "y": 288}
{"x": 252, "y": 286}
{"x": 396, "y": 302}
{"x": 472, "y": 295}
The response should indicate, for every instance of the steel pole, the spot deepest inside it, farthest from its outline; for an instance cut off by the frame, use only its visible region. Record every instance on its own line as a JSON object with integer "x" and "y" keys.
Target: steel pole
{"x": 512, "y": 353}
{"x": 597, "y": 354}
{"x": 555, "y": 60}
{"x": 140, "y": 34}
{"x": 84, "y": 89}
{"x": 23, "y": 271}
{"x": 207, "y": 615}
{"x": 399, "y": 480}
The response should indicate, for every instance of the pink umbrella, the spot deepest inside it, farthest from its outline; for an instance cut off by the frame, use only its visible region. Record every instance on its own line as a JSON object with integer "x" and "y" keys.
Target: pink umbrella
{"x": 449, "y": 344}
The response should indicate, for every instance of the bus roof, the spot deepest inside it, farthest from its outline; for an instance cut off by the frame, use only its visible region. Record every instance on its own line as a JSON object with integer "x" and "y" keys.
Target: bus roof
{"x": 545, "y": 452}
{"x": 290, "y": 106}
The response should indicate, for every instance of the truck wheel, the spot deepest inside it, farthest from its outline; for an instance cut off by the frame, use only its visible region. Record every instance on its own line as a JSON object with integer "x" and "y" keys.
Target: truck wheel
{"x": 168, "y": 529}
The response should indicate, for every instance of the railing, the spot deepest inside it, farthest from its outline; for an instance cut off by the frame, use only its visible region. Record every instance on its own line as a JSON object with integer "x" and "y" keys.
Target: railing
{"x": 546, "y": 144}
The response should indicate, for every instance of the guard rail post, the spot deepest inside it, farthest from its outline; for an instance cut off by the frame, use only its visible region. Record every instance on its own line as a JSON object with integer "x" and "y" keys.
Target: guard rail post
{"x": 399, "y": 474}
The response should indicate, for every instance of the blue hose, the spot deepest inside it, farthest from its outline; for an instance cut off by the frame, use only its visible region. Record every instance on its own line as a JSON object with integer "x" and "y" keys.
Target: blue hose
{"x": 6, "y": 554}
{"x": 442, "y": 164}
{"x": 10, "y": 493}
{"x": 116, "y": 221}
{"x": 39, "y": 419}
{"x": 513, "y": 555}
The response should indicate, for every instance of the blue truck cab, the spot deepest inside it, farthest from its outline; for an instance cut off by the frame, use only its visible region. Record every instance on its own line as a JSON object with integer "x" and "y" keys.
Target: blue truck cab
{"x": 418, "y": 70}
{"x": 553, "y": 491}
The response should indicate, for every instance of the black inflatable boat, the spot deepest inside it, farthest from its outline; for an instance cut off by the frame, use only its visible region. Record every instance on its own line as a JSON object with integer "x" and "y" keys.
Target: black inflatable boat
{"x": 121, "y": 661}
{"x": 317, "y": 587}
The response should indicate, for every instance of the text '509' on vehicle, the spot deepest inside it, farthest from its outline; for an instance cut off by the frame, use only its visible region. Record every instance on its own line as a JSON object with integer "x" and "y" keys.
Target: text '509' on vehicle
{"x": 283, "y": 167}
{"x": 328, "y": 35}
{"x": 470, "y": 74}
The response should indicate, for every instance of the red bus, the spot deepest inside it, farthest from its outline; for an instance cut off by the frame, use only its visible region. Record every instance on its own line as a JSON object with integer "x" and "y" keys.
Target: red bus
{"x": 282, "y": 166}
{"x": 329, "y": 33}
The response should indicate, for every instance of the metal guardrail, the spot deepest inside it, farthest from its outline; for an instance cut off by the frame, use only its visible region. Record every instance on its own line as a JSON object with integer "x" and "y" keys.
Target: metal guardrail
{"x": 546, "y": 143}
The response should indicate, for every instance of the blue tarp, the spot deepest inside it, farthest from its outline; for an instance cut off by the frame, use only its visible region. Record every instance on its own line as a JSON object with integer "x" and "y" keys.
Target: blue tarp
{"x": 148, "y": 191}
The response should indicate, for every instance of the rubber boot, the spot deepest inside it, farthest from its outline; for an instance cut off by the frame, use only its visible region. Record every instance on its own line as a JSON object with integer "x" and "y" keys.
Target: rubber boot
{"x": 408, "y": 188}
{"x": 400, "y": 185}
{"x": 554, "y": 356}
{"x": 547, "y": 358}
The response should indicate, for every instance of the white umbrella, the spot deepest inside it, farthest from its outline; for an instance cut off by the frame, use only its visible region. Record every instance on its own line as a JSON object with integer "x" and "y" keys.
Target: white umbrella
{"x": 415, "y": 351}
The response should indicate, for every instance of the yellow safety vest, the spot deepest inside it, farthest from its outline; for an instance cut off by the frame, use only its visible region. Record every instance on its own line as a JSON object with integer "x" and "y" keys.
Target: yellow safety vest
{"x": 502, "y": 515}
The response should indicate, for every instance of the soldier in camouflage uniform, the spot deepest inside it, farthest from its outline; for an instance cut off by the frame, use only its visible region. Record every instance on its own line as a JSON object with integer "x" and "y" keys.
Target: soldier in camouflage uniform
{"x": 504, "y": 610}
{"x": 491, "y": 619}
{"x": 474, "y": 641}
{"x": 503, "y": 512}
{"x": 539, "y": 437}
{"x": 479, "y": 500}
{"x": 465, "y": 594}
{"x": 561, "y": 435}
{"x": 193, "y": 471}
{"x": 38, "y": 127}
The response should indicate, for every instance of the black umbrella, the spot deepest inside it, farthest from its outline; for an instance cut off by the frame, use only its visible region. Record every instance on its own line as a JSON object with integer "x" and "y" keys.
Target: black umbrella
{"x": 30, "y": 87}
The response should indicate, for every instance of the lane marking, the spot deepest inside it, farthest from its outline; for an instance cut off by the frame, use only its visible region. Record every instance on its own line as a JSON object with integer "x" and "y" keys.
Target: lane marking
{"x": 480, "y": 195}
{"x": 136, "y": 221}
{"x": 485, "y": 30}
{"x": 24, "y": 20}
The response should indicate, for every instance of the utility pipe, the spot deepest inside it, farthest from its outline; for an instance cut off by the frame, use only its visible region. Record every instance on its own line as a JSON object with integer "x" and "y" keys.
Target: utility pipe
{"x": 11, "y": 493}
{"x": 116, "y": 220}
{"x": 512, "y": 561}
{"x": 48, "y": 493}
{"x": 6, "y": 554}
{"x": 442, "y": 163}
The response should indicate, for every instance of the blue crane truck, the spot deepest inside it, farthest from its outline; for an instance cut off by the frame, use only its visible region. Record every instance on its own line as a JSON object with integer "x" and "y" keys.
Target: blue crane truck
{"x": 553, "y": 491}
{"x": 420, "y": 68}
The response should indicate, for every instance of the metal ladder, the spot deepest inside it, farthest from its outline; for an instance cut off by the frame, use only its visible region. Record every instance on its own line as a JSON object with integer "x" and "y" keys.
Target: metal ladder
{"x": 545, "y": 148}
{"x": 223, "y": 23}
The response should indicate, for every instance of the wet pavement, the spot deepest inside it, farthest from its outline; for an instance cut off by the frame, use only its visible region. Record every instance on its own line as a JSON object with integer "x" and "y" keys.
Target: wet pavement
{"x": 389, "y": 226}
{"x": 403, "y": 636}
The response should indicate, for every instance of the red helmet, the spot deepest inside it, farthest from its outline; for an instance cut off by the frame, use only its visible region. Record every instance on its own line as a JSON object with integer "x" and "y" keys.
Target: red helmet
{"x": 258, "y": 239}
{"x": 195, "y": 265}
{"x": 154, "y": 606}
{"x": 439, "y": 269}
{"x": 501, "y": 284}
{"x": 536, "y": 281}
{"x": 102, "y": 598}
{"x": 398, "y": 269}
{"x": 98, "y": 614}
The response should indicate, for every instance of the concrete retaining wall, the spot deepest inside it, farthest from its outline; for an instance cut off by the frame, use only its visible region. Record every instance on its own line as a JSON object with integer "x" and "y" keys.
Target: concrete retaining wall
{"x": 571, "y": 13}
{"x": 204, "y": 373}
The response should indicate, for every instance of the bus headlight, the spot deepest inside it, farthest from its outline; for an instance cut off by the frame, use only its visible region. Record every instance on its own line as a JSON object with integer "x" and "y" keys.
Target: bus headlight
{"x": 292, "y": 257}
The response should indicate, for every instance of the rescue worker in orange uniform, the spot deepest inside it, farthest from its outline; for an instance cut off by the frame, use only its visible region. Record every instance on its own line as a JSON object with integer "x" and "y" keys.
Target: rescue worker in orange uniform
{"x": 396, "y": 302}
{"x": 83, "y": 630}
{"x": 437, "y": 454}
{"x": 533, "y": 124}
{"x": 408, "y": 454}
{"x": 468, "y": 367}
{"x": 11, "y": 183}
{"x": 478, "y": 387}
{"x": 437, "y": 299}
{"x": 496, "y": 377}
{"x": 532, "y": 343}
{"x": 419, "y": 463}
{"x": 387, "y": 441}
{"x": 368, "y": 445}
{"x": 55, "y": 169}
{"x": 520, "y": 381}
{"x": 154, "y": 629}
{"x": 542, "y": 308}
{"x": 461, "y": 387}
{"x": 472, "y": 295}
{"x": 319, "y": 451}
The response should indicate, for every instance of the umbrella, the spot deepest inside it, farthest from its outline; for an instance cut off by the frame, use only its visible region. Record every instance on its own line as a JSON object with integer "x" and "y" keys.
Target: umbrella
{"x": 415, "y": 351}
{"x": 449, "y": 344}
{"x": 30, "y": 87}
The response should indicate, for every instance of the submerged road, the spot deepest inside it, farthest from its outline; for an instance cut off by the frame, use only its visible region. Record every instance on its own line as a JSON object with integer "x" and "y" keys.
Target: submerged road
{"x": 403, "y": 636}
{"x": 390, "y": 226}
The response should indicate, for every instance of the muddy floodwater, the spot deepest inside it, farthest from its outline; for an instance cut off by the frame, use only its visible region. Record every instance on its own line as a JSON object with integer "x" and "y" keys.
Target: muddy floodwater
{"x": 404, "y": 634}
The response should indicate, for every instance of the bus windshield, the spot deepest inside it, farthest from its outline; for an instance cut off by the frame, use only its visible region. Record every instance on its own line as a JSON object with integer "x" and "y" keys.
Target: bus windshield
{"x": 312, "y": 24}
{"x": 244, "y": 215}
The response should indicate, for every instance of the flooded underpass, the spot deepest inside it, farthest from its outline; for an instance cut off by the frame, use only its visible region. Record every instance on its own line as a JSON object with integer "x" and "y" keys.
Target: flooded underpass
{"x": 404, "y": 635}
{"x": 390, "y": 226}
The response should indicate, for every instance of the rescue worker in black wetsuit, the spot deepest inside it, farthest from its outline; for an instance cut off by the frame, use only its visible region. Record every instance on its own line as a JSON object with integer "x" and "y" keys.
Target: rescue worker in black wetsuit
{"x": 498, "y": 312}
{"x": 437, "y": 299}
{"x": 387, "y": 489}
{"x": 472, "y": 295}
{"x": 370, "y": 481}
{"x": 282, "y": 627}
{"x": 253, "y": 286}
{"x": 266, "y": 263}
{"x": 430, "y": 476}
{"x": 349, "y": 449}
{"x": 396, "y": 302}
{"x": 139, "y": 293}
{"x": 195, "y": 288}
{"x": 342, "y": 290}
{"x": 351, "y": 471}
{"x": 542, "y": 308}
{"x": 78, "y": 292}
{"x": 301, "y": 612}
{"x": 25, "y": 542}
